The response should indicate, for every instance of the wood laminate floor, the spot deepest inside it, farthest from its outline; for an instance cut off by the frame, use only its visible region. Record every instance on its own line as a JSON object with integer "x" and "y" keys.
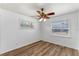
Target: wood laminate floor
{"x": 42, "y": 48}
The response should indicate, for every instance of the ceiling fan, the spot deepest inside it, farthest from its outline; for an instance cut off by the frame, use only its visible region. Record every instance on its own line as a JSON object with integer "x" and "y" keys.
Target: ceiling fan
{"x": 44, "y": 16}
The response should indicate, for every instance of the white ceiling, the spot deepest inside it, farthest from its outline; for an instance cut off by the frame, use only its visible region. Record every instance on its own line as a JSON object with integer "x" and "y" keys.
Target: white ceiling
{"x": 30, "y": 9}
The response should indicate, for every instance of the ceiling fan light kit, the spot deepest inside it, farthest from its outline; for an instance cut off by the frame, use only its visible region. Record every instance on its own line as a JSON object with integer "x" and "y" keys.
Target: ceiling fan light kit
{"x": 42, "y": 20}
{"x": 43, "y": 16}
{"x": 45, "y": 20}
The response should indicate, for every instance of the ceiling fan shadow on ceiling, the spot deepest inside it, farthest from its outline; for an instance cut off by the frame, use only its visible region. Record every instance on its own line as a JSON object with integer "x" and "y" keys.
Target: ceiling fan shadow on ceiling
{"x": 42, "y": 16}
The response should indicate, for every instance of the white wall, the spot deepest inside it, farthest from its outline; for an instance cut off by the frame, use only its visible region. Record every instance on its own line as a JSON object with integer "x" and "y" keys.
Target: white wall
{"x": 72, "y": 41}
{"x": 78, "y": 29}
{"x": 12, "y": 36}
{"x": 0, "y": 33}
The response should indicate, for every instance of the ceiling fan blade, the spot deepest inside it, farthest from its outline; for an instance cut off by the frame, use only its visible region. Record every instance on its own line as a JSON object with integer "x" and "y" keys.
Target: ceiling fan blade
{"x": 39, "y": 12}
{"x": 52, "y": 13}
